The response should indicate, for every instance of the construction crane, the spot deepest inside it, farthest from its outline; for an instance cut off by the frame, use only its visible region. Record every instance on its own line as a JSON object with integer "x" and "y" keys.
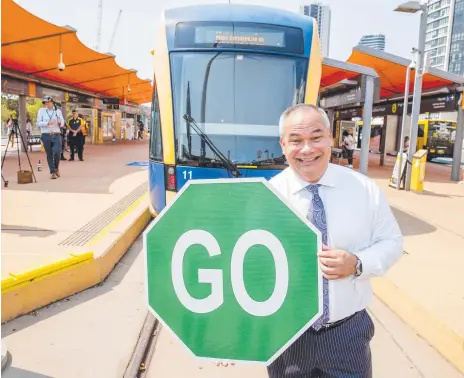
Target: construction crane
{"x": 114, "y": 31}
{"x": 99, "y": 24}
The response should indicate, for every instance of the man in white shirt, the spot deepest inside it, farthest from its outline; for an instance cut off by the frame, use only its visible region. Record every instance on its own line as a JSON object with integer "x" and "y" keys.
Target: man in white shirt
{"x": 361, "y": 240}
{"x": 348, "y": 142}
{"x": 50, "y": 120}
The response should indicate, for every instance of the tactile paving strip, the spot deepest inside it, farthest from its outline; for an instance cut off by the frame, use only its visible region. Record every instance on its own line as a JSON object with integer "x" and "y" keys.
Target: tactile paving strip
{"x": 91, "y": 229}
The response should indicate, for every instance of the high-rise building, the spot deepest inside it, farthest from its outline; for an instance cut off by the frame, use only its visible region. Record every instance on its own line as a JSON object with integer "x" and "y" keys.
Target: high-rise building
{"x": 444, "y": 41}
{"x": 376, "y": 41}
{"x": 322, "y": 15}
{"x": 456, "y": 50}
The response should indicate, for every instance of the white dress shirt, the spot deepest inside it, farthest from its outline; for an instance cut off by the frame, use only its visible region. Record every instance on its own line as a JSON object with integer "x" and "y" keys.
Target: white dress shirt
{"x": 45, "y": 115}
{"x": 359, "y": 221}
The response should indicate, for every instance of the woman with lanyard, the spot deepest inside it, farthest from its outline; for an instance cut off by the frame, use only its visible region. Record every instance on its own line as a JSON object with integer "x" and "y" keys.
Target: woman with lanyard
{"x": 50, "y": 120}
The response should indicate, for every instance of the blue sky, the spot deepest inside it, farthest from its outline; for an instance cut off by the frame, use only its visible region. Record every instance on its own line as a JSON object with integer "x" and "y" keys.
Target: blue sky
{"x": 135, "y": 36}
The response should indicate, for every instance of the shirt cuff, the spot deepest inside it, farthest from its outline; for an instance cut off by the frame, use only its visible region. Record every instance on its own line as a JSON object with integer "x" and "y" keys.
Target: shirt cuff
{"x": 371, "y": 264}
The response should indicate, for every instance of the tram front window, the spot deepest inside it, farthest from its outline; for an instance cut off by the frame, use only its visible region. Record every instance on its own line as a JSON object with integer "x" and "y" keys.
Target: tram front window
{"x": 236, "y": 99}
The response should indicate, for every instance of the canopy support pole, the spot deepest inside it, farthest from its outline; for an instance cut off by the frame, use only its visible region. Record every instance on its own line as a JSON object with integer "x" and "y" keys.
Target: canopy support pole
{"x": 457, "y": 153}
{"x": 366, "y": 129}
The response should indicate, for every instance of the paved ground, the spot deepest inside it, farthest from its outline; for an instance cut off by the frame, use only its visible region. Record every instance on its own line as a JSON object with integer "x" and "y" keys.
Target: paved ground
{"x": 37, "y": 217}
{"x": 430, "y": 272}
{"x": 432, "y": 223}
{"x": 93, "y": 333}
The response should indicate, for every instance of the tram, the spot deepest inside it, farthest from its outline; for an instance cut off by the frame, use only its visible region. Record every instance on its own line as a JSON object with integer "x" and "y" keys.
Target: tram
{"x": 224, "y": 73}
{"x": 436, "y": 136}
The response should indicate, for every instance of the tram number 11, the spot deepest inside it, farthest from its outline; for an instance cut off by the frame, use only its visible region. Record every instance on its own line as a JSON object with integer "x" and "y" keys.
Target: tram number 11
{"x": 187, "y": 174}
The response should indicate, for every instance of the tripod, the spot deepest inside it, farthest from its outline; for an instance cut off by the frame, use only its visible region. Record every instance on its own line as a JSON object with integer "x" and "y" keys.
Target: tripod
{"x": 17, "y": 132}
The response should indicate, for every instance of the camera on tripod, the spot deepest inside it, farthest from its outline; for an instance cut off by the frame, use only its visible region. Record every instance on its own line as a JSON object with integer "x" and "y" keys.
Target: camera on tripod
{"x": 24, "y": 177}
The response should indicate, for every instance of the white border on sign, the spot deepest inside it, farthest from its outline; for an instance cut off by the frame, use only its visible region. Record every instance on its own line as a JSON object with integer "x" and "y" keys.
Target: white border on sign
{"x": 292, "y": 208}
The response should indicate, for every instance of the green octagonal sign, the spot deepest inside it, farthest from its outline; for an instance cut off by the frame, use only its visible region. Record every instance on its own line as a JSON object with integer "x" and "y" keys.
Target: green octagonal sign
{"x": 232, "y": 270}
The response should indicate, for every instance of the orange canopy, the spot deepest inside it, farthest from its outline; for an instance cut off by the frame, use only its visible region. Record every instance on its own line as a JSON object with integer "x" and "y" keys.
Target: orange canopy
{"x": 392, "y": 72}
{"x": 334, "y": 71}
{"x": 34, "y": 48}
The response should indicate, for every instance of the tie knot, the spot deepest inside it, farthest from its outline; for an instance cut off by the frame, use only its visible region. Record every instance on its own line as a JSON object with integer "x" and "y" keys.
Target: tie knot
{"x": 313, "y": 188}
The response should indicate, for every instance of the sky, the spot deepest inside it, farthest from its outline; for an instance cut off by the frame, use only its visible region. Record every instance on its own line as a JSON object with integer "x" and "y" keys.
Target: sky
{"x": 135, "y": 36}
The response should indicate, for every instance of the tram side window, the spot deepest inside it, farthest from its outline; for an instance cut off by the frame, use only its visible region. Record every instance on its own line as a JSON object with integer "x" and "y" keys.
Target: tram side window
{"x": 156, "y": 150}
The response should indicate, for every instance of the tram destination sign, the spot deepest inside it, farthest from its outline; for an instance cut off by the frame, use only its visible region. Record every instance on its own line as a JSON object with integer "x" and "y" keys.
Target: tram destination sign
{"x": 232, "y": 270}
{"x": 249, "y": 35}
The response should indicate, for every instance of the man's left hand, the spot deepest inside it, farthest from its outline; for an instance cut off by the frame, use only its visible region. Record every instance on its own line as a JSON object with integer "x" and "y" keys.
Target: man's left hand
{"x": 337, "y": 263}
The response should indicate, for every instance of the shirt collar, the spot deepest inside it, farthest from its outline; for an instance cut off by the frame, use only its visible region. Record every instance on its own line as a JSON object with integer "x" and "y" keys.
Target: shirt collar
{"x": 296, "y": 183}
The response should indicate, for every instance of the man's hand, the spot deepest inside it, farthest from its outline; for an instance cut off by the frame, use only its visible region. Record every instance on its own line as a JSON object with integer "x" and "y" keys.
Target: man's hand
{"x": 336, "y": 263}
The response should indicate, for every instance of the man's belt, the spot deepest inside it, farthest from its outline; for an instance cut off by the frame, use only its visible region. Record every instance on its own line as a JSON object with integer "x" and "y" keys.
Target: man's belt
{"x": 337, "y": 323}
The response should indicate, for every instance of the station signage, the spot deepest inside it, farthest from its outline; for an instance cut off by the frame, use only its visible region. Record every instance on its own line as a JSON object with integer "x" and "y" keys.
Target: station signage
{"x": 57, "y": 94}
{"x": 431, "y": 104}
{"x": 348, "y": 113}
{"x": 442, "y": 103}
{"x": 111, "y": 101}
{"x": 348, "y": 98}
{"x": 78, "y": 98}
{"x": 11, "y": 85}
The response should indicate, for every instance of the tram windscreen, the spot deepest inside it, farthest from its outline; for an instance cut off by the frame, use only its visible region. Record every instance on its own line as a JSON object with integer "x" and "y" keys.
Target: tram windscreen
{"x": 236, "y": 99}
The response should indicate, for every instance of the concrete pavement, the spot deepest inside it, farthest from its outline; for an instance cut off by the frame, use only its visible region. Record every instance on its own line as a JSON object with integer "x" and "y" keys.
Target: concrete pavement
{"x": 51, "y": 225}
{"x": 106, "y": 320}
{"x": 90, "y": 334}
{"x": 397, "y": 352}
{"x": 426, "y": 287}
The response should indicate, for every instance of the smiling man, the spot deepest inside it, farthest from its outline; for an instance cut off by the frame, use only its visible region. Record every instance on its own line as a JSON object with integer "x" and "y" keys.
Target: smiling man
{"x": 361, "y": 239}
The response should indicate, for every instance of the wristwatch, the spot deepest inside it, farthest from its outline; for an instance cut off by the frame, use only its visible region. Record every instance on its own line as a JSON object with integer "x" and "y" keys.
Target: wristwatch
{"x": 359, "y": 267}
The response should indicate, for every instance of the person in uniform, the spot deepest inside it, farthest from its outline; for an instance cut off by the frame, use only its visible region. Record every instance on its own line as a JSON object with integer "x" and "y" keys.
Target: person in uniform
{"x": 76, "y": 124}
{"x": 50, "y": 120}
{"x": 84, "y": 130}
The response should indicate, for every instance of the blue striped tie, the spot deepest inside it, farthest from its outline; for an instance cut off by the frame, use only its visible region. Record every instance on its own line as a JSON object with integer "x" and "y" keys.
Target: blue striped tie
{"x": 316, "y": 215}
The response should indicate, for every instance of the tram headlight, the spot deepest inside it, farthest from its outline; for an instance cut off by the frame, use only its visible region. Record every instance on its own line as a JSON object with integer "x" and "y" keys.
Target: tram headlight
{"x": 170, "y": 178}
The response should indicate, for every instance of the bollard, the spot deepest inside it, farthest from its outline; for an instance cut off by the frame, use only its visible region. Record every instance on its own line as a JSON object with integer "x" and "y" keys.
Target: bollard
{"x": 419, "y": 161}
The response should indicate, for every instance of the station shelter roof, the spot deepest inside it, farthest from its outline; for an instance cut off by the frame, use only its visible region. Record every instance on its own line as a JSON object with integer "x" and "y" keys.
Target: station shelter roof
{"x": 392, "y": 72}
{"x": 34, "y": 49}
{"x": 32, "y": 46}
{"x": 335, "y": 71}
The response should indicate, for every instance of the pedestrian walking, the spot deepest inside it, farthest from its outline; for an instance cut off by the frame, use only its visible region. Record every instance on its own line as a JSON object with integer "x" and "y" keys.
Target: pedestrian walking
{"x": 51, "y": 121}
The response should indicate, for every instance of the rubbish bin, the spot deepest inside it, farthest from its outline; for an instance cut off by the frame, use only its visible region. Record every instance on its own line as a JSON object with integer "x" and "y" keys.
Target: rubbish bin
{"x": 419, "y": 160}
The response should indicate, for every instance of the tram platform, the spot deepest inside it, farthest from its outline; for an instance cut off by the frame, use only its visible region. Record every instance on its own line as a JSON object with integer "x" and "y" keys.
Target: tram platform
{"x": 62, "y": 236}
{"x": 94, "y": 334}
{"x": 426, "y": 287}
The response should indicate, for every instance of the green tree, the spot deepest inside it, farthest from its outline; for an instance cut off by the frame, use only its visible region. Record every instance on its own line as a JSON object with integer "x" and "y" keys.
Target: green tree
{"x": 9, "y": 107}
{"x": 32, "y": 107}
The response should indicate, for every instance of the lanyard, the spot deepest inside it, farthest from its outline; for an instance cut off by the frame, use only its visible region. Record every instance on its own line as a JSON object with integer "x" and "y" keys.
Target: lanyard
{"x": 53, "y": 113}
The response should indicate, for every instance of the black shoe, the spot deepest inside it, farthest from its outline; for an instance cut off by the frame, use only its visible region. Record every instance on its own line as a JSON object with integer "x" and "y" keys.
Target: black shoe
{"x": 81, "y": 159}
{"x": 71, "y": 159}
